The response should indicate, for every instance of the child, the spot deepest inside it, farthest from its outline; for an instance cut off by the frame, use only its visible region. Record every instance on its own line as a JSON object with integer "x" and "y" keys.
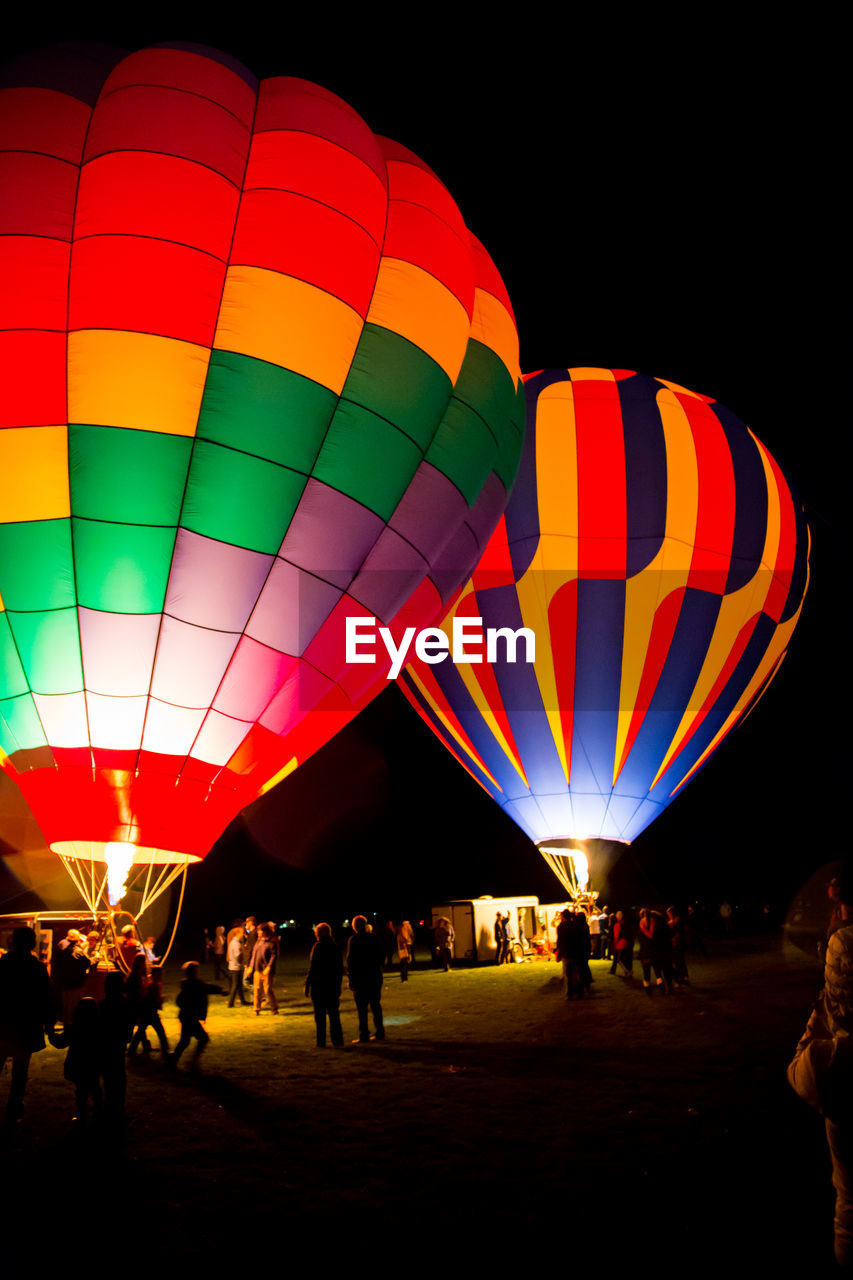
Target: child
{"x": 83, "y": 1060}
{"x": 116, "y": 1025}
{"x": 192, "y": 1011}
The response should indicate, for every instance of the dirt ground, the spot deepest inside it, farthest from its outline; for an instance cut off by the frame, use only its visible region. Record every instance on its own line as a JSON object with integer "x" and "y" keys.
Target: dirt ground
{"x": 496, "y": 1115}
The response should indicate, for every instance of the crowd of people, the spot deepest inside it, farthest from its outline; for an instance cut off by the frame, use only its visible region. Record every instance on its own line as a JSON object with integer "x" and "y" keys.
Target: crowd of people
{"x": 659, "y": 939}
{"x": 100, "y": 999}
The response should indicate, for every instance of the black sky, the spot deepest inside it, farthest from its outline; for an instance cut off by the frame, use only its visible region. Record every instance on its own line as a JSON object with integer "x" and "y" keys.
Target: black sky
{"x": 654, "y": 201}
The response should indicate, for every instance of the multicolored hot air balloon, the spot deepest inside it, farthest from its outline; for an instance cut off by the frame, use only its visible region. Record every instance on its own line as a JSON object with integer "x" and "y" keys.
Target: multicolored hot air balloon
{"x": 654, "y": 550}
{"x": 257, "y": 376}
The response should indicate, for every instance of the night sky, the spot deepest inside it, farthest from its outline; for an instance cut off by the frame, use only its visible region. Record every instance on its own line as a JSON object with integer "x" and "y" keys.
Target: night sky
{"x": 652, "y": 204}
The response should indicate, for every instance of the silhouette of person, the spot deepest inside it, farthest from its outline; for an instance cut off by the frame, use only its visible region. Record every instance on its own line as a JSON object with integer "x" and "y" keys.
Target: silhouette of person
{"x": 70, "y": 968}
{"x": 365, "y": 955}
{"x": 116, "y": 1024}
{"x": 147, "y": 1001}
{"x": 323, "y": 984}
{"x": 822, "y": 1074}
{"x": 83, "y": 1059}
{"x": 27, "y": 1010}
{"x": 444, "y": 936}
{"x": 192, "y": 1012}
{"x": 500, "y": 938}
{"x": 570, "y": 947}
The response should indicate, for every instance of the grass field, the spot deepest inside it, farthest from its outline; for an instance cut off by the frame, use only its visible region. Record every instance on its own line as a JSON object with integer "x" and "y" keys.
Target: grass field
{"x": 495, "y": 1110}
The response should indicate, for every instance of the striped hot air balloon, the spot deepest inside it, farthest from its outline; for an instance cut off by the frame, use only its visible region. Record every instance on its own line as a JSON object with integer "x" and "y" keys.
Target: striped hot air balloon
{"x": 257, "y": 376}
{"x": 653, "y": 548}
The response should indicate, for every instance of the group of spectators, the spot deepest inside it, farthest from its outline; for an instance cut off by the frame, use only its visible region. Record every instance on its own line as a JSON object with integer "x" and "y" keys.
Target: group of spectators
{"x": 95, "y": 1032}
{"x": 659, "y": 938}
{"x": 248, "y": 953}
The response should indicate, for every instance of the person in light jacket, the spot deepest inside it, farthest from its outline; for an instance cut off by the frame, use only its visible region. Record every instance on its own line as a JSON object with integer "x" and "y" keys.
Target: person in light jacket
{"x": 822, "y": 1074}
{"x": 235, "y": 967}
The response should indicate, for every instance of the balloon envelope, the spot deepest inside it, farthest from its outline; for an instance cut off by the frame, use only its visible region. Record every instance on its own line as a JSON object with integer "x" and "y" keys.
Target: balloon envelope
{"x": 653, "y": 548}
{"x": 257, "y": 376}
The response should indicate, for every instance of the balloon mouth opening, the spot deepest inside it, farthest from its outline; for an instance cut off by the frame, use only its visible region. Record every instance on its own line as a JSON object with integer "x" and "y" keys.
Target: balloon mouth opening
{"x": 565, "y": 844}
{"x": 143, "y": 855}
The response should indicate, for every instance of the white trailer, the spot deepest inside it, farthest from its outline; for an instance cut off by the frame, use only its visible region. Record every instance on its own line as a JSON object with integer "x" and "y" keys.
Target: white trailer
{"x": 473, "y": 921}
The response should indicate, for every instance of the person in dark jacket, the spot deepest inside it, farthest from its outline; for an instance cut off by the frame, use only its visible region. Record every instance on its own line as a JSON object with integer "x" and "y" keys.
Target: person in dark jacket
{"x": 262, "y": 970}
{"x": 149, "y": 1002}
{"x": 365, "y": 955}
{"x": 679, "y": 949}
{"x": 69, "y": 969}
{"x": 83, "y": 1060}
{"x": 115, "y": 1026}
{"x": 27, "y": 1010}
{"x": 570, "y": 952}
{"x": 250, "y": 937}
{"x": 500, "y": 939}
{"x": 323, "y": 985}
{"x": 192, "y": 1012}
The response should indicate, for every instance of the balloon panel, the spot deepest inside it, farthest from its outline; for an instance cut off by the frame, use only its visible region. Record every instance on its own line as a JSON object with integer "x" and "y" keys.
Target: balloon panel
{"x": 257, "y": 376}
{"x": 652, "y": 546}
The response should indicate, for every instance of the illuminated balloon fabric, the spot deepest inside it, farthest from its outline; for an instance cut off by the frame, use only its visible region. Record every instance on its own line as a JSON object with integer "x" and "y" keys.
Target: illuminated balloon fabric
{"x": 652, "y": 545}
{"x": 256, "y": 376}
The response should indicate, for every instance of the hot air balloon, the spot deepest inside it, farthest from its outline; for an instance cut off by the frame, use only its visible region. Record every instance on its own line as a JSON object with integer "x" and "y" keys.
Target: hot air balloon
{"x": 653, "y": 550}
{"x": 257, "y": 377}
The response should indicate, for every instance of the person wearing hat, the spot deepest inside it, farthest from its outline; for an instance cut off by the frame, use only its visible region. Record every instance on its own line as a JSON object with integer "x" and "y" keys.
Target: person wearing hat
{"x": 128, "y": 948}
{"x": 821, "y": 1072}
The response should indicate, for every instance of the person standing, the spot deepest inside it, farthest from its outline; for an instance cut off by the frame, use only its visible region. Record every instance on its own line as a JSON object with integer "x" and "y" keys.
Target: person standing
{"x": 115, "y": 1023}
{"x": 821, "y": 1072}
{"x": 83, "y": 1059}
{"x": 262, "y": 971}
{"x": 71, "y": 965}
{"x": 841, "y": 913}
{"x": 569, "y": 952}
{"x": 607, "y": 921}
{"x": 500, "y": 938}
{"x": 27, "y": 1011}
{"x": 365, "y": 955}
{"x": 623, "y": 945}
{"x": 218, "y": 952}
{"x": 595, "y": 935}
{"x": 509, "y": 939}
{"x": 250, "y": 937}
{"x": 645, "y": 931}
{"x": 234, "y": 955}
{"x": 128, "y": 948}
{"x": 323, "y": 985}
{"x": 405, "y": 948}
{"x": 444, "y": 937}
{"x": 679, "y": 950}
